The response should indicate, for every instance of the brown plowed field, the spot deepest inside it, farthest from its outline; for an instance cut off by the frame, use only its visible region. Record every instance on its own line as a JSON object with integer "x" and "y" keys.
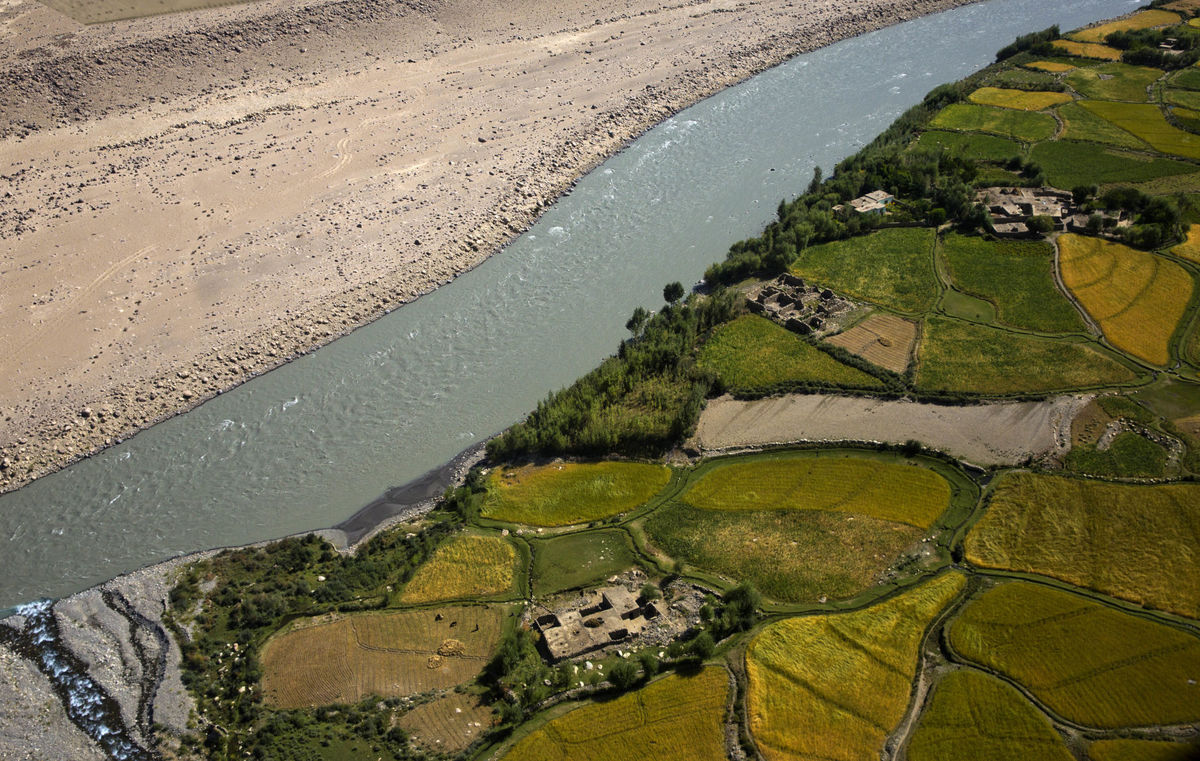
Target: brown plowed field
{"x": 881, "y": 339}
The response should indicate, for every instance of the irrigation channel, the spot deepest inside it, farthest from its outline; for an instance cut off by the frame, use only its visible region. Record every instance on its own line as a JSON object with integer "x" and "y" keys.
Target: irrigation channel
{"x": 307, "y": 445}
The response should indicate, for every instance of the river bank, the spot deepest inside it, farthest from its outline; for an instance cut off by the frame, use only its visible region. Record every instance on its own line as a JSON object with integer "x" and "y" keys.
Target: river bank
{"x": 177, "y": 227}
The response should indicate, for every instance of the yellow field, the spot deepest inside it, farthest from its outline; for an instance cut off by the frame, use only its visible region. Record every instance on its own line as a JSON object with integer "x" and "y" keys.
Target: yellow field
{"x": 674, "y": 719}
{"x": 1141, "y": 20}
{"x": 835, "y": 686}
{"x": 1088, "y": 662}
{"x": 1022, "y": 100}
{"x": 1142, "y": 750}
{"x": 1089, "y": 50}
{"x": 448, "y": 724}
{"x": 1190, "y": 248}
{"x": 1132, "y": 542}
{"x": 891, "y": 491}
{"x": 1136, "y": 297}
{"x": 343, "y": 660}
{"x": 566, "y": 493}
{"x": 1053, "y": 67}
{"x": 464, "y": 566}
{"x": 882, "y": 339}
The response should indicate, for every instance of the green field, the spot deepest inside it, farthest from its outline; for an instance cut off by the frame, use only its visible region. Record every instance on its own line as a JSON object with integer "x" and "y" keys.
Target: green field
{"x": 898, "y": 492}
{"x": 835, "y": 686}
{"x": 464, "y": 566}
{"x": 1114, "y": 81}
{"x": 1189, "y": 99}
{"x": 1081, "y": 124}
{"x": 753, "y": 353}
{"x": 964, "y": 306}
{"x": 674, "y": 719}
{"x": 1017, "y": 277}
{"x": 961, "y": 357}
{"x": 1147, "y": 122}
{"x": 1087, "y": 662}
{"x": 789, "y": 555}
{"x": 577, "y": 560}
{"x": 1029, "y": 78}
{"x": 975, "y": 716}
{"x": 1067, "y": 164}
{"x": 565, "y": 493}
{"x": 1129, "y": 456}
{"x": 1189, "y": 78}
{"x": 892, "y": 268}
{"x": 1026, "y": 126}
{"x": 1142, "y": 750}
{"x": 980, "y": 147}
{"x": 1132, "y": 542}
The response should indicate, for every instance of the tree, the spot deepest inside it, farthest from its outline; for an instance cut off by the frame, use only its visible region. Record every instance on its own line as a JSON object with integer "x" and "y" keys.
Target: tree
{"x": 623, "y": 675}
{"x": 637, "y": 321}
{"x": 702, "y": 646}
{"x": 741, "y": 608}
{"x": 649, "y": 663}
{"x": 673, "y": 292}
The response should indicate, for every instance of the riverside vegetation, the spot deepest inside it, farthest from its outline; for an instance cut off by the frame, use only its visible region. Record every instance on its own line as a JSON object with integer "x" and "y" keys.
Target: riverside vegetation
{"x": 838, "y": 601}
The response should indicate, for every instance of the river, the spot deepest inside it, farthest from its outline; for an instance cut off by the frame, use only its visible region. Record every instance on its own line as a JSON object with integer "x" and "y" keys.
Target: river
{"x": 306, "y": 445}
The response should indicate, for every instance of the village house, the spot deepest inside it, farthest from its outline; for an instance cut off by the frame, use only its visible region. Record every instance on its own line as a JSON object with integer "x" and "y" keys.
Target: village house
{"x": 612, "y": 615}
{"x": 1012, "y": 208}
{"x": 875, "y": 202}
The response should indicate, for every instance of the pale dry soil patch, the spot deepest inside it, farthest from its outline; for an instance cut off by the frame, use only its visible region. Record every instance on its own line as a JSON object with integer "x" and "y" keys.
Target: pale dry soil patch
{"x": 192, "y": 199}
{"x": 1002, "y": 433}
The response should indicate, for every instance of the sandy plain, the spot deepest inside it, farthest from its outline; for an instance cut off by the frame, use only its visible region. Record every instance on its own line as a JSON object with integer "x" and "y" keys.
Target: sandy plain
{"x": 189, "y": 200}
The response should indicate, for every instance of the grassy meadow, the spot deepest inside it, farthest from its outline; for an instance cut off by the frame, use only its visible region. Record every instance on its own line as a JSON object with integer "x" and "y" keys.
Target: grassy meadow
{"x": 753, "y": 353}
{"x": 1026, "y": 126}
{"x": 464, "y": 566}
{"x": 835, "y": 686}
{"x": 892, "y": 268}
{"x": 561, "y": 494}
{"x": 576, "y": 560}
{"x": 1087, "y": 662}
{"x": 678, "y": 718}
{"x": 972, "y": 715}
{"x": 1129, "y": 541}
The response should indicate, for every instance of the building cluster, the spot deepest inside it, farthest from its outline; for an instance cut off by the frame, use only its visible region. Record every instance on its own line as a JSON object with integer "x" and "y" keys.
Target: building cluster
{"x": 798, "y": 306}
{"x": 875, "y": 202}
{"x": 611, "y": 615}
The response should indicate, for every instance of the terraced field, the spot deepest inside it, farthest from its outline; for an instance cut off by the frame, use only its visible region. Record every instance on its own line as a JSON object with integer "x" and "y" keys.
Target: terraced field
{"x": 834, "y": 686}
{"x": 343, "y": 660}
{"x": 674, "y": 719}
{"x": 1022, "y": 100}
{"x": 1067, "y": 164}
{"x": 1054, "y": 67}
{"x": 972, "y": 715}
{"x": 1087, "y": 662}
{"x": 1006, "y": 122}
{"x": 1131, "y": 542}
{"x": 564, "y": 493}
{"x": 892, "y": 268}
{"x": 1136, "y": 297}
{"x": 464, "y": 566}
{"x": 885, "y": 340}
{"x": 982, "y": 147}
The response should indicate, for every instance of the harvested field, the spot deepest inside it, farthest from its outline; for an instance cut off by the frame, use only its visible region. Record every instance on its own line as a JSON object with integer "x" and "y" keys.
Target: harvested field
{"x": 981, "y": 147}
{"x": 882, "y": 339}
{"x": 1147, "y": 19}
{"x": 1136, "y": 297}
{"x": 1129, "y": 541}
{"x": 1081, "y": 124}
{"x": 1088, "y": 50}
{"x": 835, "y": 686}
{"x": 1022, "y": 100}
{"x": 972, "y": 715}
{"x": 1088, "y": 662}
{"x": 396, "y": 653}
{"x": 448, "y": 724}
{"x": 564, "y": 493}
{"x": 577, "y": 560}
{"x": 753, "y": 353}
{"x": 1054, "y": 67}
{"x": 1146, "y": 121}
{"x": 1026, "y": 126}
{"x": 1142, "y": 750}
{"x": 1068, "y": 163}
{"x": 462, "y": 567}
{"x": 892, "y": 268}
{"x": 958, "y": 356}
{"x": 677, "y": 718}
{"x": 1017, "y": 277}
{"x": 985, "y": 434}
{"x": 1114, "y": 81}
{"x": 789, "y": 555}
{"x": 101, "y": 11}
{"x": 834, "y": 482}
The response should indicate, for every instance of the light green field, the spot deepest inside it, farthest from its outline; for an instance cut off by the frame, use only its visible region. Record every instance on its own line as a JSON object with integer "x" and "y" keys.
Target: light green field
{"x": 961, "y": 357}
{"x": 1022, "y": 100}
{"x": 1147, "y": 122}
{"x": 1187, "y": 98}
{"x": 674, "y": 719}
{"x": 1087, "y": 662}
{"x": 975, "y": 716}
{"x": 1129, "y": 455}
{"x": 1142, "y": 750}
{"x": 1067, "y": 164}
{"x": 577, "y": 560}
{"x": 1114, "y": 81}
{"x": 753, "y": 353}
{"x": 890, "y": 491}
{"x": 1020, "y": 125}
{"x": 1189, "y": 78}
{"x": 464, "y": 566}
{"x": 1081, "y": 124}
{"x": 789, "y": 555}
{"x": 835, "y": 686}
{"x": 892, "y": 268}
{"x": 1132, "y": 542}
{"x": 1017, "y": 277}
{"x": 564, "y": 493}
{"x": 981, "y": 147}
